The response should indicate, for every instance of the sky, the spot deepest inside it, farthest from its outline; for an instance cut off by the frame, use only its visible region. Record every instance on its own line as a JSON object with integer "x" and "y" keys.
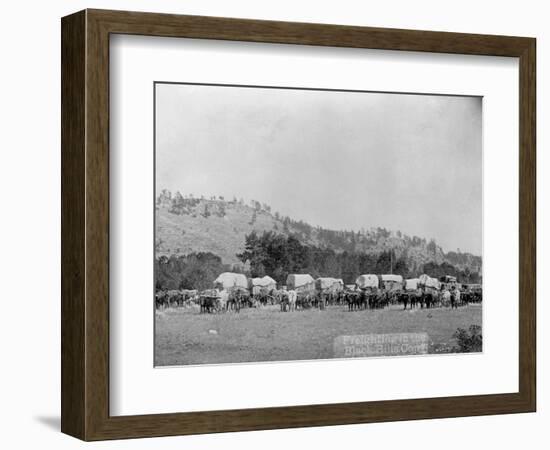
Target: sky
{"x": 340, "y": 160}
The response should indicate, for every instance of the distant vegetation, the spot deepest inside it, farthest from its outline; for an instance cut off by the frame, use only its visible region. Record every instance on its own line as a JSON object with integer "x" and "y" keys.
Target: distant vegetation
{"x": 193, "y": 271}
{"x": 199, "y": 237}
{"x": 278, "y": 255}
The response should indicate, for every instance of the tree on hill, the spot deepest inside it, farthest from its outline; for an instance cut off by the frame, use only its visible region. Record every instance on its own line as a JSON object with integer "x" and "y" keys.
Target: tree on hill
{"x": 401, "y": 268}
{"x": 165, "y": 196}
{"x": 432, "y": 247}
{"x": 177, "y": 204}
{"x": 439, "y": 270}
{"x": 193, "y": 271}
{"x": 277, "y": 255}
{"x": 206, "y": 212}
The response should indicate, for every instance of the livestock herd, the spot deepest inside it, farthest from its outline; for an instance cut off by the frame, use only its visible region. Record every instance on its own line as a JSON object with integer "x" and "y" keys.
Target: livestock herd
{"x": 232, "y": 292}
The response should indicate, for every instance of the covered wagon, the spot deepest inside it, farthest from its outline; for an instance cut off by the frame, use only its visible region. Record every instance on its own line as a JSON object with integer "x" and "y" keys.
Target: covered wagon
{"x": 327, "y": 284}
{"x": 391, "y": 282}
{"x": 228, "y": 280}
{"x": 261, "y": 285}
{"x": 428, "y": 282}
{"x": 300, "y": 282}
{"x": 368, "y": 281}
{"x": 448, "y": 282}
{"x": 411, "y": 284}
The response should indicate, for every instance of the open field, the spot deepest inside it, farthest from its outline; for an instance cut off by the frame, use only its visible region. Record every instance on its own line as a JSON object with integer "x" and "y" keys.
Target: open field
{"x": 183, "y": 336}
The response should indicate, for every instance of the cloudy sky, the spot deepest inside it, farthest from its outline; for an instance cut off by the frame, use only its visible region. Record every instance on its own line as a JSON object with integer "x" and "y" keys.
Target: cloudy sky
{"x": 341, "y": 160}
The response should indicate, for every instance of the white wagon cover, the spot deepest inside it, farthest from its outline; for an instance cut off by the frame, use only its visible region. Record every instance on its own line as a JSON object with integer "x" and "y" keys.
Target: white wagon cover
{"x": 294, "y": 280}
{"x": 428, "y": 281}
{"x": 392, "y": 278}
{"x": 263, "y": 282}
{"x": 228, "y": 280}
{"x": 323, "y": 283}
{"x": 367, "y": 281}
{"x": 411, "y": 284}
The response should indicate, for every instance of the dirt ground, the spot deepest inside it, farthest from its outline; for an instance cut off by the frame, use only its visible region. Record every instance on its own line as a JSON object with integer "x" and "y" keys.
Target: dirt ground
{"x": 183, "y": 336}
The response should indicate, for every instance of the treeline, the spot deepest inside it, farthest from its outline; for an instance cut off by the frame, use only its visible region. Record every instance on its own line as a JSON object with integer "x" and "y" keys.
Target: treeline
{"x": 463, "y": 259}
{"x": 445, "y": 268}
{"x": 278, "y": 255}
{"x": 192, "y": 271}
{"x": 204, "y": 206}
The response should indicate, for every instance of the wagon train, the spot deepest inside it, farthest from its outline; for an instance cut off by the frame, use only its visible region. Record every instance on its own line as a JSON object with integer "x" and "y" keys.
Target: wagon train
{"x": 234, "y": 291}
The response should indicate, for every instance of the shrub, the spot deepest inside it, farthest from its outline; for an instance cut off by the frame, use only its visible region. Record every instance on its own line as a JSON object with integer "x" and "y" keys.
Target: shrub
{"x": 469, "y": 341}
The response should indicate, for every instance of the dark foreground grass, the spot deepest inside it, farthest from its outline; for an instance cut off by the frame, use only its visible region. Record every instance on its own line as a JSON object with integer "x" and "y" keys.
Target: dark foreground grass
{"x": 183, "y": 336}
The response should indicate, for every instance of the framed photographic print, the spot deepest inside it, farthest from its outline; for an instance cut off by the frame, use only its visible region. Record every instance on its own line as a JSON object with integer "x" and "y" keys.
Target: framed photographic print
{"x": 272, "y": 225}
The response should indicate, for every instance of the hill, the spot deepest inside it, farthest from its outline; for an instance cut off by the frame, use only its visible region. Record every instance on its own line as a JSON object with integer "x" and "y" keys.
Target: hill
{"x": 187, "y": 225}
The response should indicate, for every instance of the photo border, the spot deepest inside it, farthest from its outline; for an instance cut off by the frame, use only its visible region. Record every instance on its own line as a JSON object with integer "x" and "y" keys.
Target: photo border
{"x": 155, "y": 193}
{"x": 85, "y": 224}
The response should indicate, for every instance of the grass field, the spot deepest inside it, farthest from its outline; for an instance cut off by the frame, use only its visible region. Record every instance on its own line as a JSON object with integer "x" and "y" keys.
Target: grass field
{"x": 183, "y": 336}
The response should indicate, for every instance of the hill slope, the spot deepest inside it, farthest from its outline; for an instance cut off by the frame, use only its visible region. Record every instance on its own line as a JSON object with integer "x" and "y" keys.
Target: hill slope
{"x": 186, "y": 224}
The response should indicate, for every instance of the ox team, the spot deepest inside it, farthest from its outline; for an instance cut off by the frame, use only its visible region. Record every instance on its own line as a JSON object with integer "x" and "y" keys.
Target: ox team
{"x": 233, "y": 291}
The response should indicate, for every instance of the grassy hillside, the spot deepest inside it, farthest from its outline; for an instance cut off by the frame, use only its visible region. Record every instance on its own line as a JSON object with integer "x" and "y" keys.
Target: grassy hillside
{"x": 186, "y": 224}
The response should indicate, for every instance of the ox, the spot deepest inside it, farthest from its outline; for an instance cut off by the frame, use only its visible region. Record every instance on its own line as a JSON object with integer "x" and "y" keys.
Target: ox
{"x": 455, "y": 298}
{"x": 289, "y": 300}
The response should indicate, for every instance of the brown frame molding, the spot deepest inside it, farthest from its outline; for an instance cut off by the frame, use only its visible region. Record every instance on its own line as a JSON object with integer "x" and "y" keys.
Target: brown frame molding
{"x": 85, "y": 224}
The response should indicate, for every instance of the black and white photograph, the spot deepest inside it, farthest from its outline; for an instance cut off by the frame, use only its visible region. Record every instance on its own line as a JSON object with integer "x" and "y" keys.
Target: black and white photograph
{"x": 245, "y": 225}
{"x": 304, "y": 224}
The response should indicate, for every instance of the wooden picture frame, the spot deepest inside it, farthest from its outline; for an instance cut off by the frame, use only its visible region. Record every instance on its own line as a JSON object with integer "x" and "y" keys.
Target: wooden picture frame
{"x": 85, "y": 224}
